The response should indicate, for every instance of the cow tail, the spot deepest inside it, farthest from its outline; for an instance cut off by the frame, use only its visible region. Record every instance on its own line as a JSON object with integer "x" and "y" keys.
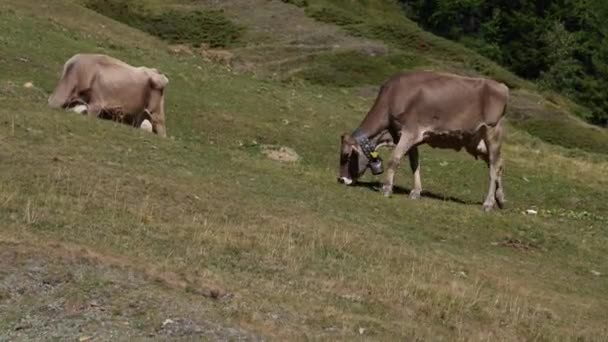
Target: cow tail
{"x": 62, "y": 92}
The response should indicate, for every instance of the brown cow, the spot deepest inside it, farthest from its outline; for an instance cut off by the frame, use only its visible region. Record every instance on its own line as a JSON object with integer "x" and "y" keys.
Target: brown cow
{"x": 108, "y": 88}
{"x": 441, "y": 110}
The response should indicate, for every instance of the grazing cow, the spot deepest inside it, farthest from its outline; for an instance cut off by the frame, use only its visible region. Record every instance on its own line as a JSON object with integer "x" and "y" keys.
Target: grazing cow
{"x": 108, "y": 88}
{"x": 441, "y": 110}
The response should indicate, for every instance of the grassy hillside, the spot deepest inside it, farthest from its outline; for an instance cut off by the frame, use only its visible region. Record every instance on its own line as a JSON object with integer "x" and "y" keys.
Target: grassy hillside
{"x": 201, "y": 235}
{"x": 374, "y": 40}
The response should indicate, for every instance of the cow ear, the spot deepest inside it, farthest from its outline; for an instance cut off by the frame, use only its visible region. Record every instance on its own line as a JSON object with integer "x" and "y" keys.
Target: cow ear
{"x": 158, "y": 80}
{"x": 348, "y": 139}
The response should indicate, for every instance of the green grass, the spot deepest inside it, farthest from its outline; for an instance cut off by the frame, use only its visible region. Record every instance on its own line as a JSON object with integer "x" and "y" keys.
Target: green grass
{"x": 285, "y": 239}
{"x": 567, "y": 134}
{"x": 175, "y": 26}
{"x": 349, "y": 69}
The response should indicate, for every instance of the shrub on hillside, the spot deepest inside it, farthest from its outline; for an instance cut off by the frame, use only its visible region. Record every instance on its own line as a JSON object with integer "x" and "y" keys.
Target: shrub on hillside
{"x": 333, "y": 16}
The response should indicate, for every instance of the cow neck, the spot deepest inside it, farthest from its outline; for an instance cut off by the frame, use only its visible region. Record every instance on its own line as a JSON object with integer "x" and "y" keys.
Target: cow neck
{"x": 375, "y": 121}
{"x": 370, "y": 128}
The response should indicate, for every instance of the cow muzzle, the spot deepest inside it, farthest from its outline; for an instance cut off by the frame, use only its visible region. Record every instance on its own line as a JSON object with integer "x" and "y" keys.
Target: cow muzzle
{"x": 345, "y": 180}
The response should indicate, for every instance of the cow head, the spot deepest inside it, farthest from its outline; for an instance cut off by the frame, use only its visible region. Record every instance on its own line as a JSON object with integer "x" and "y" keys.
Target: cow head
{"x": 158, "y": 80}
{"x": 353, "y": 162}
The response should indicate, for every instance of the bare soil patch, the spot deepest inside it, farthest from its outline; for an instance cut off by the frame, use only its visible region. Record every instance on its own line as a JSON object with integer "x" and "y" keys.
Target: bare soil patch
{"x": 280, "y": 153}
{"x": 66, "y": 295}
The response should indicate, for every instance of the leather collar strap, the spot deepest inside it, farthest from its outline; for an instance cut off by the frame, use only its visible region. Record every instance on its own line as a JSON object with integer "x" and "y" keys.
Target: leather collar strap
{"x": 368, "y": 148}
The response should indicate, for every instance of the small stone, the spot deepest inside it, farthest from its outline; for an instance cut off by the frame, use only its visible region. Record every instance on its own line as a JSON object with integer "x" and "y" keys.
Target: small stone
{"x": 531, "y": 212}
{"x": 28, "y": 85}
{"x": 362, "y": 331}
{"x": 596, "y": 273}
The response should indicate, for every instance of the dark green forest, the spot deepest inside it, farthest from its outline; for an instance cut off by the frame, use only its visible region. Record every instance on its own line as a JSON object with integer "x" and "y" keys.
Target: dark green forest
{"x": 560, "y": 44}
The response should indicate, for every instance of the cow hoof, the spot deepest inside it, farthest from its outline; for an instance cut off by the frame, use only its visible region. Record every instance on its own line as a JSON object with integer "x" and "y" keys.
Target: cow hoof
{"x": 387, "y": 191}
{"x": 345, "y": 180}
{"x": 500, "y": 201}
{"x": 414, "y": 195}
{"x": 487, "y": 207}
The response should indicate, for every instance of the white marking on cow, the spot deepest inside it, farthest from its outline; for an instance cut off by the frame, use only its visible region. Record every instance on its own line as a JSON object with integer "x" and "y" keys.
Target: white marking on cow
{"x": 481, "y": 147}
{"x": 346, "y": 180}
{"x": 80, "y": 109}
{"x": 146, "y": 125}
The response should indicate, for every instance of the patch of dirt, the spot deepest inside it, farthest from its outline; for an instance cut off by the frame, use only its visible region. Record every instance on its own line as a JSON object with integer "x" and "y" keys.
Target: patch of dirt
{"x": 517, "y": 244}
{"x": 49, "y": 296}
{"x": 219, "y": 56}
{"x": 181, "y": 49}
{"x": 280, "y": 153}
{"x": 279, "y": 33}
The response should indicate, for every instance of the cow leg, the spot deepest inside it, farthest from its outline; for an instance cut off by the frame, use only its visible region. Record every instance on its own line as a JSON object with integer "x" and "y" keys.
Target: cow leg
{"x": 155, "y": 109}
{"x": 495, "y": 191}
{"x": 94, "y": 110}
{"x": 415, "y": 165}
{"x": 158, "y": 122}
{"x": 405, "y": 143}
{"x": 499, "y": 195}
{"x": 159, "y": 126}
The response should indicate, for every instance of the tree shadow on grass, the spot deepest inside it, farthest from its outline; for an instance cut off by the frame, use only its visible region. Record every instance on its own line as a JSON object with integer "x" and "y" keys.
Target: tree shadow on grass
{"x": 376, "y": 186}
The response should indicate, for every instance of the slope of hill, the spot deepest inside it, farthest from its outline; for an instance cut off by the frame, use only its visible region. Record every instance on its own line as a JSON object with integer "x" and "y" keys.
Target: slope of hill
{"x": 202, "y": 235}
